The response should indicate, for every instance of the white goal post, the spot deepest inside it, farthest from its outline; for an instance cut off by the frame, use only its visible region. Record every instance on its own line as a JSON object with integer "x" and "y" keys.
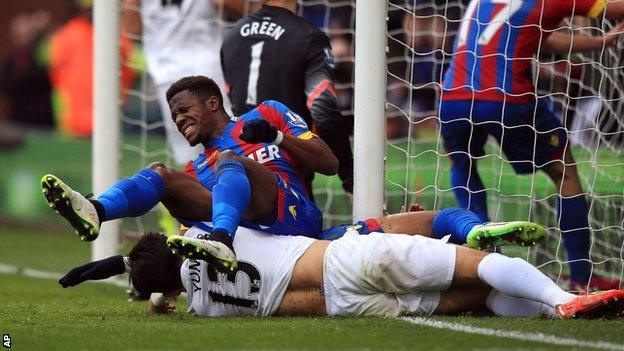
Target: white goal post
{"x": 106, "y": 115}
{"x": 370, "y": 117}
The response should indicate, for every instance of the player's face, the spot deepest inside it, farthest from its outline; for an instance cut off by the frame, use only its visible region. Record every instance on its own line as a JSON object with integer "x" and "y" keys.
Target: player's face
{"x": 192, "y": 117}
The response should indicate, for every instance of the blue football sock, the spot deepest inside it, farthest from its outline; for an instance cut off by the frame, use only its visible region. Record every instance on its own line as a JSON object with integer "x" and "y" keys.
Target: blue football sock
{"x": 456, "y": 222}
{"x": 132, "y": 197}
{"x": 230, "y": 196}
{"x": 574, "y": 226}
{"x": 473, "y": 200}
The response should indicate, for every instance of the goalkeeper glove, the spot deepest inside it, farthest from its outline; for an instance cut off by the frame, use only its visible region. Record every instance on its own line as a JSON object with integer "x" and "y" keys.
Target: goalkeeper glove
{"x": 95, "y": 270}
{"x": 260, "y": 131}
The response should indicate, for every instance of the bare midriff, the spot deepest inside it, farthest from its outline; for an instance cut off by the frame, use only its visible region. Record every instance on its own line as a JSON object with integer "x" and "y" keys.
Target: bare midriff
{"x": 304, "y": 295}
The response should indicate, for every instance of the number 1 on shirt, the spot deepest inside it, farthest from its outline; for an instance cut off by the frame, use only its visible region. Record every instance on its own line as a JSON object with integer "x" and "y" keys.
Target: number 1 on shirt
{"x": 254, "y": 73}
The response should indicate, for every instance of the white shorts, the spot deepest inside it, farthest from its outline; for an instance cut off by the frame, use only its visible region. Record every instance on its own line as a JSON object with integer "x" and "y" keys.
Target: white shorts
{"x": 386, "y": 274}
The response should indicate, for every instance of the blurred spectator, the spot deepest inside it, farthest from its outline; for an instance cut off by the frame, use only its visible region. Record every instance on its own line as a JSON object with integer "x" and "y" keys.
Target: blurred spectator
{"x": 24, "y": 77}
{"x": 429, "y": 30}
{"x": 180, "y": 38}
{"x": 71, "y": 71}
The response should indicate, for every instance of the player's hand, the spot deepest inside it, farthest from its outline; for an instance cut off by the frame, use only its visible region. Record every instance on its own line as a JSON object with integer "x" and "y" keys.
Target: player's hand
{"x": 414, "y": 207}
{"x": 614, "y": 34}
{"x": 166, "y": 307}
{"x": 95, "y": 270}
{"x": 258, "y": 131}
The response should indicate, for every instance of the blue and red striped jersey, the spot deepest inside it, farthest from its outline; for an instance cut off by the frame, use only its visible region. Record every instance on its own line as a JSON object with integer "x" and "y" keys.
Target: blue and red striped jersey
{"x": 271, "y": 156}
{"x": 496, "y": 42}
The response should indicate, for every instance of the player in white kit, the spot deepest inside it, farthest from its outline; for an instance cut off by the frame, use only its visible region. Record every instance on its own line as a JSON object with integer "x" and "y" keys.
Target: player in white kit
{"x": 375, "y": 274}
{"x": 180, "y": 38}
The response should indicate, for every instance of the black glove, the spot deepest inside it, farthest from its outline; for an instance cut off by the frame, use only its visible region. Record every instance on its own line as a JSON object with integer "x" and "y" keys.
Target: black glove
{"x": 95, "y": 270}
{"x": 258, "y": 131}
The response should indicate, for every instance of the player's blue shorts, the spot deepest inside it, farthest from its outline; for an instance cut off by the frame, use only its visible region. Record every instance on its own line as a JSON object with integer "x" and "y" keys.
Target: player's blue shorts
{"x": 295, "y": 214}
{"x": 465, "y": 126}
{"x": 362, "y": 227}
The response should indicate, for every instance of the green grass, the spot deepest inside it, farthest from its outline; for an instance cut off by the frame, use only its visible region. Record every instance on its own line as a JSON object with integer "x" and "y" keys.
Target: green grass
{"x": 57, "y": 252}
{"x": 40, "y": 315}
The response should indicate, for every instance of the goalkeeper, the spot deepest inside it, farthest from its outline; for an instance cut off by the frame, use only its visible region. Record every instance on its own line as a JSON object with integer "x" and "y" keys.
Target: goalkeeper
{"x": 488, "y": 91}
{"x": 249, "y": 174}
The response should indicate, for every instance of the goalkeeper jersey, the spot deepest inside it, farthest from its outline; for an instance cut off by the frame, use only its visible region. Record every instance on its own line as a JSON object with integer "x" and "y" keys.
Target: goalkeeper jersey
{"x": 273, "y": 54}
{"x": 256, "y": 288}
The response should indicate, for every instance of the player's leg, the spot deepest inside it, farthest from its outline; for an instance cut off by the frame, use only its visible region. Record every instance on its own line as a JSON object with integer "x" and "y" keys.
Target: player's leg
{"x": 517, "y": 278}
{"x": 464, "y": 227}
{"x": 461, "y": 225}
{"x": 243, "y": 189}
{"x": 554, "y": 153}
{"x": 473, "y": 299}
{"x": 572, "y": 217}
{"x": 464, "y": 140}
{"x": 274, "y": 205}
{"x": 183, "y": 196}
{"x": 231, "y": 199}
{"x": 511, "y": 276}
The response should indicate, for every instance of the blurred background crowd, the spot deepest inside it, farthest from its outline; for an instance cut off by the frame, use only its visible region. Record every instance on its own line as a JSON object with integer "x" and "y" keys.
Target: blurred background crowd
{"x": 46, "y": 79}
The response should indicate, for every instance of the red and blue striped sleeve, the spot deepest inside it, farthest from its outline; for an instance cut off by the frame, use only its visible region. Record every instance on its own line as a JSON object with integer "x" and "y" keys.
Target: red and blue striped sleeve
{"x": 286, "y": 121}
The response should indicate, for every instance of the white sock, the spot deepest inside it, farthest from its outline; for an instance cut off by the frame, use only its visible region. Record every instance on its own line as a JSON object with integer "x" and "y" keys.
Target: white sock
{"x": 517, "y": 278}
{"x": 507, "y": 306}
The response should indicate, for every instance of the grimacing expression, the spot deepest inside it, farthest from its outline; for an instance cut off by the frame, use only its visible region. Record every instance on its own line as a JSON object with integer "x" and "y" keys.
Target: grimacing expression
{"x": 190, "y": 115}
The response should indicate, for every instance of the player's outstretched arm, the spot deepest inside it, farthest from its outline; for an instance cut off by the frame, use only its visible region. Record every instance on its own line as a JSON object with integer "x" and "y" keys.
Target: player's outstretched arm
{"x": 96, "y": 270}
{"x": 563, "y": 43}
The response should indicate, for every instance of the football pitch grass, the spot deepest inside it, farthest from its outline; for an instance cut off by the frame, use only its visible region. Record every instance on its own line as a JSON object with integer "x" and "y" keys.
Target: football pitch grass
{"x": 40, "y": 315}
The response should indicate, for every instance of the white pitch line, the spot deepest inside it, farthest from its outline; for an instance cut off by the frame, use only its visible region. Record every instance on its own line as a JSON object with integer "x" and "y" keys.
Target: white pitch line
{"x": 525, "y": 336}
{"x": 35, "y": 273}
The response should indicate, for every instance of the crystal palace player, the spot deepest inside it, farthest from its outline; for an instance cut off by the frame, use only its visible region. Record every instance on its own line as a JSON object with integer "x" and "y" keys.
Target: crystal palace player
{"x": 250, "y": 172}
{"x": 274, "y": 54}
{"x": 488, "y": 90}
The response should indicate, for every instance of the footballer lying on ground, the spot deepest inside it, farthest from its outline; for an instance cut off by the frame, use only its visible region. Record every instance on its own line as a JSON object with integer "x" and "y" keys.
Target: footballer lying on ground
{"x": 375, "y": 274}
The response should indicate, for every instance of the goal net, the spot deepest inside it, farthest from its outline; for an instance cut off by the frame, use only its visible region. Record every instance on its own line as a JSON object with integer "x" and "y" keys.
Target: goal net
{"x": 585, "y": 90}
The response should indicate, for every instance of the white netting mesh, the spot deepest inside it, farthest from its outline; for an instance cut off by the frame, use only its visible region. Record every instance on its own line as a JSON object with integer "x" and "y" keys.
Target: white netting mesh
{"x": 585, "y": 89}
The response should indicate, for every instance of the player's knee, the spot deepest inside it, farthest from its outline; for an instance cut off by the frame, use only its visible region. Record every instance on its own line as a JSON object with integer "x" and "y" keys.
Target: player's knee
{"x": 227, "y": 155}
{"x": 555, "y": 171}
{"x": 163, "y": 171}
{"x": 460, "y": 160}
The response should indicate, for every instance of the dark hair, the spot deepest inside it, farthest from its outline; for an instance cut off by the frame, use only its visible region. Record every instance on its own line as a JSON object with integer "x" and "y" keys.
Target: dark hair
{"x": 154, "y": 268}
{"x": 198, "y": 85}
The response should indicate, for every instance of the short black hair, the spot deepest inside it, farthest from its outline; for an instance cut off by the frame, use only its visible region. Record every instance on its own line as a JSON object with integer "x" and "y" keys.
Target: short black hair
{"x": 153, "y": 267}
{"x": 199, "y": 85}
